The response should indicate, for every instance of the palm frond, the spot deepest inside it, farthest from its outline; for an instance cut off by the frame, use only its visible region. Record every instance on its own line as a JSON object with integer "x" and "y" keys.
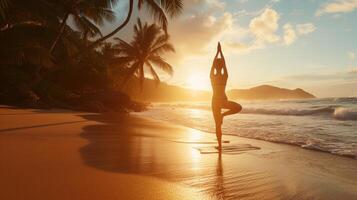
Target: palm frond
{"x": 33, "y": 54}
{"x": 138, "y": 27}
{"x": 153, "y": 72}
{"x": 146, "y": 37}
{"x": 111, "y": 3}
{"x": 121, "y": 61}
{"x": 158, "y": 13}
{"x": 172, "y": 7}
{"x": 144, "y": 50}
{"x": 140, "y": 4}
{"x": 92, "y": 28}
{"x": 130, "y": 73}
{"x": 159, "y": 62}
{"x": 161, "y": 39}
{"x": 141, "y": 75}
{"x": 98, "y": 3}
{"x": 86, "y": 26}
{"x": 167, "y": 47}
{"x": 99, "y": 14}
{"x": 162, "y": 45}
{"x": 124, "y": 47}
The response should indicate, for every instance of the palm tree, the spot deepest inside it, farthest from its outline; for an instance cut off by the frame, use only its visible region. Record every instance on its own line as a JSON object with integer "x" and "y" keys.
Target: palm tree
{"x": 84, "y": 13}
{"x": 159, "y": 9}
{"x": 144, "y": 52}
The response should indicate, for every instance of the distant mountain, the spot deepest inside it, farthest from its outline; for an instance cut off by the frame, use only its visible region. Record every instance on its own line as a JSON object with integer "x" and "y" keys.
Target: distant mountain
{"x": 268, "y": 92}
{"x": 164, "y": 92}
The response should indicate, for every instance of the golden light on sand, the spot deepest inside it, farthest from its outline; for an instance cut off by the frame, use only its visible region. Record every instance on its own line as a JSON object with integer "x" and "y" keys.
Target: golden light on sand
{"x": 195, "y": 136}
{"x": 198, "y": 81}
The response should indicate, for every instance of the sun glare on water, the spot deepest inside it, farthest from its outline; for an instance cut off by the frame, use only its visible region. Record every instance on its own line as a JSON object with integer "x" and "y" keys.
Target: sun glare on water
{"x": 198, "y": 82}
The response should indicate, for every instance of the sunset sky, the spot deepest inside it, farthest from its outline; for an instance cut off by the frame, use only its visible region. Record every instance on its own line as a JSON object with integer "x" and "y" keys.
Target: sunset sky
{"x": 311, "y": 44}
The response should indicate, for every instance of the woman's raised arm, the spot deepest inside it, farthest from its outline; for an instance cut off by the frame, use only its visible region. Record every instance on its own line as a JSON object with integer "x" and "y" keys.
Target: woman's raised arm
{"x": 225, "y": 71}
{"x": 213, "y": 64}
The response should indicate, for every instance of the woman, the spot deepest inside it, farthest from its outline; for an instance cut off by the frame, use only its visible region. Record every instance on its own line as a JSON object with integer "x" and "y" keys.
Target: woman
{"x": 219, "y": 76}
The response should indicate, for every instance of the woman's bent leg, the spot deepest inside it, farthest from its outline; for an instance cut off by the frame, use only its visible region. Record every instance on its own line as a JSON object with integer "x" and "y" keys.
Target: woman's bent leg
{"x": 232, "y": 107}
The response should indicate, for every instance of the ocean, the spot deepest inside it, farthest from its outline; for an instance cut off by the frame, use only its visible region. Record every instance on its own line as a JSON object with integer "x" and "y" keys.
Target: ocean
{"x": 325, "y": 124}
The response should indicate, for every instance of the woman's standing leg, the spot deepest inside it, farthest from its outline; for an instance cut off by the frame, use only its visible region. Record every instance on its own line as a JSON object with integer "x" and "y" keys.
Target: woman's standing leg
{"x": 216, "y": 109}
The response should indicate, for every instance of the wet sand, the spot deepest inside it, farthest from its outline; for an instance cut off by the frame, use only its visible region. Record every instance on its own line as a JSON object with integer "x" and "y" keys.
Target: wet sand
{"x": 70, "y": 155}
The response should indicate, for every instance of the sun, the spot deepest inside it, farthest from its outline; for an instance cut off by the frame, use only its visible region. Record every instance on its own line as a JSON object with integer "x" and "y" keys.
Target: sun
{"x": 198, "y": 82}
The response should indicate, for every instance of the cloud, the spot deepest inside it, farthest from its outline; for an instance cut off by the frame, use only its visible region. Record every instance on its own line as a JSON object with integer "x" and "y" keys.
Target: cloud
{"x": 263, "y": 30}
{"x": 198, "y": 25}
{"x": 217, "y": 3}
{"x": 353, "y": 71}
{"x": 202, "y": 5}
{"x": 244, "y": 12}
{"x": 197, "y": 28}
{"x": 314, "y": 77}
{"x": 240, "y": 47}
{"x": 237, "y": 45}
{"x": 341, "y": 76}
{"x": 242, "y": 1}
{"x": 289, "y": 34}
{"x": 193, "y": 33}
{"x": 337, "y": 6}
{"x": 304, "y": 29}
{"x": 351, "y": 55}
{"x": 264, "y": 26}
{"x": 196, "y": 32}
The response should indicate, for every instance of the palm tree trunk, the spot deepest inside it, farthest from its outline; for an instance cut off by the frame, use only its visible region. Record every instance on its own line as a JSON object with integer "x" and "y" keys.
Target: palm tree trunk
{"x": 95, "y": 43}
{"x": 60, "y": 33}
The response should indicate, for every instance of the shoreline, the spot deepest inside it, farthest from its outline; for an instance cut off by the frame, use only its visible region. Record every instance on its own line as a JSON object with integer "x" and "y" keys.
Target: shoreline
{"x": 257, "y": 139}
{"x": 275, "y": 142}
{"x": 303, "y": 124}
{"x": 105, "y": 153}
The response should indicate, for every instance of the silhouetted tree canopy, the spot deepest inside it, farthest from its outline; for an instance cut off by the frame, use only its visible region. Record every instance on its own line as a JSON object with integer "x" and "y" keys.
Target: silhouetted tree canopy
{"x": 53, "y": 52}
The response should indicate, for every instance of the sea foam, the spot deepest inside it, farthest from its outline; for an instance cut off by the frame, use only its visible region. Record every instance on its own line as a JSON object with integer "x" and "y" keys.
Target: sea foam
{"x": 345, "y": 114}
{"x": 327, "y": 125}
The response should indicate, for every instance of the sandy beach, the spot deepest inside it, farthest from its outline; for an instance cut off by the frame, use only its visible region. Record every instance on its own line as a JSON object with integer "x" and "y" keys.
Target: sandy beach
{"x": 61, "y": 154}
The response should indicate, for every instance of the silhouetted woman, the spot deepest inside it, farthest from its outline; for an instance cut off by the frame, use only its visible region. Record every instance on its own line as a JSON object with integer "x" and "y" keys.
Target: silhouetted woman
{"x": 219, "y": 76}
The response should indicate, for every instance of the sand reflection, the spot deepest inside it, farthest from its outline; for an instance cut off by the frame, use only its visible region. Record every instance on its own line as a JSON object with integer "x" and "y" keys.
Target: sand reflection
{"x": 220, "y": 190}
{"x": 150, "y": 150}
{"x": 117, "y": 147}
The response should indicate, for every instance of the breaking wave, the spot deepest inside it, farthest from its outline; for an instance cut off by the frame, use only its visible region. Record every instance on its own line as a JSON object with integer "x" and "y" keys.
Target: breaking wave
{"x": 336, "y": 112}
{"x": 327, "y": 125}
{"x": 295, "y": 112}
{"x": 345, "y": 114}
